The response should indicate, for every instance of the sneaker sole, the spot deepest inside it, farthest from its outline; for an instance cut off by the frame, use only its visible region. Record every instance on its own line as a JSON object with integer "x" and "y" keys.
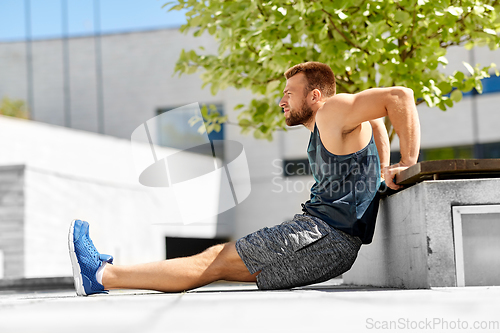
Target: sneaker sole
{"x": 77, "y": 274}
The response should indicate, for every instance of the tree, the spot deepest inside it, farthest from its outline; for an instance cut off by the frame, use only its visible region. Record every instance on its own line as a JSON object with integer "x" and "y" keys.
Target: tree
{"x": 367, "y": 43}
{"x": 13, "y": 108}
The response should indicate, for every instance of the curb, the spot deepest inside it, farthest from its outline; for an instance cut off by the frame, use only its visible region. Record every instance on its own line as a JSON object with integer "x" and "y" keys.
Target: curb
{"x": 54, "y": 283}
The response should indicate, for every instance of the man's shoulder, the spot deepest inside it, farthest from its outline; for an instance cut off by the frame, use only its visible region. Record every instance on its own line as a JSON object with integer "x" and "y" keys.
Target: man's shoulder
{"x": 343, "y": 97}
{"x": 341, "y": 107}
{"x": 335, "y": 108}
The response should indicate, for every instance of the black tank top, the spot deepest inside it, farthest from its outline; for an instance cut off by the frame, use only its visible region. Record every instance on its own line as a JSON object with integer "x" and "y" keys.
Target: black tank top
{"x": 345, "y": 194}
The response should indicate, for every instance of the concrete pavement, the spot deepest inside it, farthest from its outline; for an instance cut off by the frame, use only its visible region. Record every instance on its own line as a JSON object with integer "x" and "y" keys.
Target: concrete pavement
{"x": 228, "y": 307}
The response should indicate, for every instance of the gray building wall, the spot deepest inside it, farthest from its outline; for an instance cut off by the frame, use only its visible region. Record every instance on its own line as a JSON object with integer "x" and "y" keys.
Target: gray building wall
{"x": 12, "y": 220}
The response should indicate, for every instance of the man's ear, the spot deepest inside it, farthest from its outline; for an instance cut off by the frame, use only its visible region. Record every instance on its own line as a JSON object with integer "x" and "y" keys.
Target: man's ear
{"x": 316, "y": 96}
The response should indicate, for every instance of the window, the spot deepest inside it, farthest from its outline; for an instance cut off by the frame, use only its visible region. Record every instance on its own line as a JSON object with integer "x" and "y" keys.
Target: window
{"x": 482, "y": 150}
{"x": 177, "y": 247}
{"x": 296, "y": 167}
{"x": 476, "y": 230}
{"x": 491, "y": 84}
{"x": 447, "y": 153}
{"x": 176, "y": 132}
{"x": 491, "y": 150}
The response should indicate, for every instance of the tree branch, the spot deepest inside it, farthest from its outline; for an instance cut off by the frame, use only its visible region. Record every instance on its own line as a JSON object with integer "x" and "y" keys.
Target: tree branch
{"x": 411, "y": 32}
{"x": 358, "y": 7}
{"x": 261, "y": 10}
{"x": 342, "y": 33}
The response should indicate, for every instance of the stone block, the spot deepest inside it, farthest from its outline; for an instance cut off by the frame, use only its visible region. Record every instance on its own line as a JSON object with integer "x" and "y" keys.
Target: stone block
{"x": 413, "y": 245}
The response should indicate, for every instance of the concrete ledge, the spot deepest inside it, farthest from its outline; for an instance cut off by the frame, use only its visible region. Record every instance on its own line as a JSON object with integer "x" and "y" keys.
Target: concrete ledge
{"x": 53, "y": 283}
{"x": 413, "y": 245}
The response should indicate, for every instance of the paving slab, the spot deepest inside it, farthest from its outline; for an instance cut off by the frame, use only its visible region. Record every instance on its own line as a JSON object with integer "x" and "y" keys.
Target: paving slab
{"x": 229, "y": 307}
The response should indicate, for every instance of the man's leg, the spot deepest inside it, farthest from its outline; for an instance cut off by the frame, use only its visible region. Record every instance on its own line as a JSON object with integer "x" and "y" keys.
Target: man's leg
{"x": 220, "y": 262}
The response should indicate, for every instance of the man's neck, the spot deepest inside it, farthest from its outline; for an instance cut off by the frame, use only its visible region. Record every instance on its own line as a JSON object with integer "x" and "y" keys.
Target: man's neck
{"x": 310, "y": 123}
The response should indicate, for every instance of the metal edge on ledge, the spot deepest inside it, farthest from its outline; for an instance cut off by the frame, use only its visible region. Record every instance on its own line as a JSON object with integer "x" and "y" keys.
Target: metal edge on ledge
{"x": 449, "y": 169}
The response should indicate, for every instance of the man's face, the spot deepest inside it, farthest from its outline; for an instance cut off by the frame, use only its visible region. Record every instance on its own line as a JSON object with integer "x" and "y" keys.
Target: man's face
{"x": 294, "y": 102}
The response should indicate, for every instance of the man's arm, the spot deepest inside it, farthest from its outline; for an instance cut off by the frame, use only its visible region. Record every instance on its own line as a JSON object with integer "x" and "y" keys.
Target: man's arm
{"x": 382, "y": 141}
{"x": 384, "y": 151}
{"x": 398, "y": 104}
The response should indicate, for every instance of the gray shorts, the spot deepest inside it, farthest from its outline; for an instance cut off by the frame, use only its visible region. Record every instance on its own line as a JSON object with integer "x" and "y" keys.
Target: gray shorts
{"x": 296, "y": 253}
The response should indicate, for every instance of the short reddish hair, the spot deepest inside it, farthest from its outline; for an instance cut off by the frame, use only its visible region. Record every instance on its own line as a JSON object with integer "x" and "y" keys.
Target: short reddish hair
{"x": 319, "y": 76}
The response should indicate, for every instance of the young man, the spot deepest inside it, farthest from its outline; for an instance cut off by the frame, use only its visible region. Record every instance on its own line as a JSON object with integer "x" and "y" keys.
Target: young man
{"x": 347, "y": 136}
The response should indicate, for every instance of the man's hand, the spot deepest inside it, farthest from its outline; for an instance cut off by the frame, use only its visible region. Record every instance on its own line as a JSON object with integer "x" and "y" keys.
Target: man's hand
{"x": 389, "y": 173}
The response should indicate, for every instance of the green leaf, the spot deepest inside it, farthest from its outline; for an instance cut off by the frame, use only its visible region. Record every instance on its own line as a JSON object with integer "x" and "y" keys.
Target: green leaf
{"x": 445, "y": 87}
{"x": 272, "y": 86}
{"x": 401, "y": 16}
{"x": 341, "y": 15}
{"x": 469, "y": 67}
{"x": 245, "y": 130}
{"x": 258, "y": 134}
{"x": 443, "y": 60}
{"x": 469, "y": 45}
{"x": 494, "y": 66}
{"x": 204, "y": 111}
{"x": 202, "y": 129}
{"x": 428, "y": 100}
{"x": 479, "y": 86}
{"x": 210, "y": 128}
{"x": 448, "y": 102}
{"x": 459, "y": 76}
{"x": 244, "y": 122}
{"x": 455, "y": 11}
{"x": 456, "y": 96}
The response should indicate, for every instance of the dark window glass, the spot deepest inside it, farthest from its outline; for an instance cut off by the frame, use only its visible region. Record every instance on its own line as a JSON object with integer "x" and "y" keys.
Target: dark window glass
{"x": 491, "y": 150}
{"x": 296, "y": 167}
{"x": 177, "y": 247}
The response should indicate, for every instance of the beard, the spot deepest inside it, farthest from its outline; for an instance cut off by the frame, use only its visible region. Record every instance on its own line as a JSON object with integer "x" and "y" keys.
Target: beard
{"x": 299, "y": 117}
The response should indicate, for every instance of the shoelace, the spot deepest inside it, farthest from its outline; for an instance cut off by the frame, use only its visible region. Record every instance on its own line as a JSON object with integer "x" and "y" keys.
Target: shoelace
{"x": 90, "y": 246}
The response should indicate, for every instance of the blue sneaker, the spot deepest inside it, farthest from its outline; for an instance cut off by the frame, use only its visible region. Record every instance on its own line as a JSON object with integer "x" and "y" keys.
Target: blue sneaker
{"x": 85, "y": 259}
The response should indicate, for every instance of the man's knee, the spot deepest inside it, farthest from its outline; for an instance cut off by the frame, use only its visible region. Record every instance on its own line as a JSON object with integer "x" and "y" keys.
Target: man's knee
{"x": 222, "y": 259}
{"x": 229, "y": 266}
{"x": 213, "y": 252}
{"x": 213, "y": 261}
{"x": 219, "y": 254}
